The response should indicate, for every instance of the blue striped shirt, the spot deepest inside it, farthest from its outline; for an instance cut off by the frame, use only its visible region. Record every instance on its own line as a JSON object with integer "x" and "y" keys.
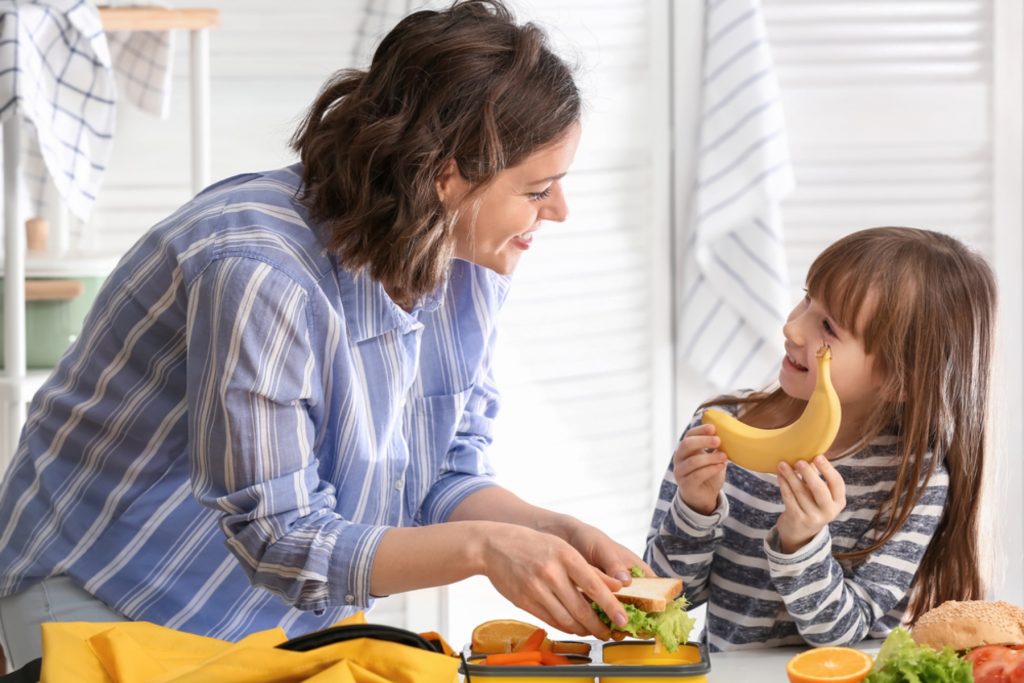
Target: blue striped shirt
{"x": 758, "y": 596}
{"x": 242, "y": 419}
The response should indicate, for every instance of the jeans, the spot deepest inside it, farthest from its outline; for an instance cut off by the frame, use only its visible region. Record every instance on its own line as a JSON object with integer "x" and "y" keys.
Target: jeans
{"x": 54, "y": 599}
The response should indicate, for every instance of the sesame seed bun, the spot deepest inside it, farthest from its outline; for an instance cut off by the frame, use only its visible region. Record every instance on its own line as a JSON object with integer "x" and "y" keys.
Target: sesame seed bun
{"x": 969, "y": 624}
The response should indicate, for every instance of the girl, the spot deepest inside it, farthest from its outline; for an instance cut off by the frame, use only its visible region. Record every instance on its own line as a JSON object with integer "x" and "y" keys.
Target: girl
{"x": 883, "y": 526}
{"x": 281, "y": 403}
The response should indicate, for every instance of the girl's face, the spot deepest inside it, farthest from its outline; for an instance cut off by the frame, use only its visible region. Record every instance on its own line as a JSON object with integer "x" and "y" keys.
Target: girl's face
{"x": 496, "y": 224}
{"x": 852, "y": 370}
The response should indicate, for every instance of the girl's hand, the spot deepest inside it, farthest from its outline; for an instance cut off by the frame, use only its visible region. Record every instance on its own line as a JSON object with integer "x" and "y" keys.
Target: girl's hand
{"x": 545, "y": 575}
{"x": 700, "y": 474}
{"x": 814, "y": 494}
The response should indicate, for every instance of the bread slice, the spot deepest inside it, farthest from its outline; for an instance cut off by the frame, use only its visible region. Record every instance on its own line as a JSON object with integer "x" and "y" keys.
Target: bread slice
{"x": 650, "y": 594}
{"x": 970, "y": 623}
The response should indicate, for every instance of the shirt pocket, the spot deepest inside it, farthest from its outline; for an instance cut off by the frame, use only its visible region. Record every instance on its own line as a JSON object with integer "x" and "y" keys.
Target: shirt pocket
{"x": 429, "y": 424}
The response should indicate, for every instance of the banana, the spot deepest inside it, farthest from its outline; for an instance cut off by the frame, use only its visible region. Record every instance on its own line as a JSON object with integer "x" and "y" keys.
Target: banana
{"x": 761, "y": 450}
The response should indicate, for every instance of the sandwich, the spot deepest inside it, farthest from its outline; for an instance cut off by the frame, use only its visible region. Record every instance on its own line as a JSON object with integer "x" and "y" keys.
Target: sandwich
{"x": 654, "y": 610}
{"x": 990, "y": 634}
{"x": 970, "y": 624}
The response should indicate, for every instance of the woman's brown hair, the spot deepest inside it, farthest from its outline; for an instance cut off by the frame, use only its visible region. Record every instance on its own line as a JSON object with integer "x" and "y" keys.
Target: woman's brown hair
{"x": 931, "y": 333}
{"x": 466, "y": 84}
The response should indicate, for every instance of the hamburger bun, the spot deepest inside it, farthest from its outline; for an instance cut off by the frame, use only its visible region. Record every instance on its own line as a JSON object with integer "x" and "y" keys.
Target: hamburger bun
{"x": 969, "y": 624}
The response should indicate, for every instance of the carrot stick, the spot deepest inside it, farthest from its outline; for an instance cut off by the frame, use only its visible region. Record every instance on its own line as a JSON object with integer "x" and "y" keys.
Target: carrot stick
{"x": 551, "y": 659}
{"x": 533, "y": 642}
{"x": 513, "y": 658}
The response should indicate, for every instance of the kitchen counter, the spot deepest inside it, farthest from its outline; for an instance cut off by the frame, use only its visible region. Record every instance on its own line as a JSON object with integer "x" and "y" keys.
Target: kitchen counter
{"x": 761, "y": 666}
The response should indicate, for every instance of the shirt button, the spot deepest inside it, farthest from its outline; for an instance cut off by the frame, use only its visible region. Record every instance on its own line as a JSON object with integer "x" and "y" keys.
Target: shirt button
{"x": 350, "y": 598}
{"x": 399, "y": 484}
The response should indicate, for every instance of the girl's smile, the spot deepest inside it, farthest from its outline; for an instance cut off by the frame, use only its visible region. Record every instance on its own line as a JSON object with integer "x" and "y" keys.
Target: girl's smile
{"x": 789, "y": 363}
{"x": 809, "y": 326}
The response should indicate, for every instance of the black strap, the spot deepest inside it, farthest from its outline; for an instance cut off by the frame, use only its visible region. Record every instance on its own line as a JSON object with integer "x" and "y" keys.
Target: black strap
{"x": 27, "y": 674}
{"x": 337, "y": 634}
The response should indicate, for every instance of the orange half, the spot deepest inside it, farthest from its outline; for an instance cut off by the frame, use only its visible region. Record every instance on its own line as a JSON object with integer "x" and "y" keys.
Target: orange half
{"x": 500, "y": 635}
{"x": 829, "y": 665}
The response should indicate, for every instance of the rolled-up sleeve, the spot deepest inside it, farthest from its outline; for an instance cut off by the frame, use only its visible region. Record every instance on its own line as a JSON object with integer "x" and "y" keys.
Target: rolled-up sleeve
{"x": 250, "y": 377}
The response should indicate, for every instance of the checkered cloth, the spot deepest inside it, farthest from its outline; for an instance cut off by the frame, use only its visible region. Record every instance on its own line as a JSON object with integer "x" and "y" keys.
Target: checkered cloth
{"x": 143, "y": 62}
{"x": 59, "y": 70}
{"x": 55, "y": 73}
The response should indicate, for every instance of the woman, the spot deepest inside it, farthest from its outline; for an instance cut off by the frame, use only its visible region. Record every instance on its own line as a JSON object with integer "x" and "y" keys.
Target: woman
{"x": 281, "y": 401}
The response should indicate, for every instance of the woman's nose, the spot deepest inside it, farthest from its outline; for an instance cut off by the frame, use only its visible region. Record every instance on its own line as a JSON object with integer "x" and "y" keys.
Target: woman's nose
{"x": 556, "y": 208}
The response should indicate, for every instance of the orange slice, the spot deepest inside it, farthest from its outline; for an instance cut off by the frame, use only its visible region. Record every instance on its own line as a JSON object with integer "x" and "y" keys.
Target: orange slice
{"x": 829, "y": 665}
{"x": 500, "y": 635}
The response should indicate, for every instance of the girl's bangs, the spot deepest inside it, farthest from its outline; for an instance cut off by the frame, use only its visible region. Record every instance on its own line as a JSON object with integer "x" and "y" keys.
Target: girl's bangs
{"x": 842, "y": 285}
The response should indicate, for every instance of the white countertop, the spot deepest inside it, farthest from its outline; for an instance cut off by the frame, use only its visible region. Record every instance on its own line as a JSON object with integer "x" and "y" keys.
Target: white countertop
{"x": 762, "y": 666}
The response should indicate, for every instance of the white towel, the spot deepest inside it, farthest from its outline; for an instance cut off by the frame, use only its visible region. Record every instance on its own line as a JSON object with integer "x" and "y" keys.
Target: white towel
{"x": 736, "y": 296}
{"x": 378, "y": 17}
{"x": 55, "y": 73}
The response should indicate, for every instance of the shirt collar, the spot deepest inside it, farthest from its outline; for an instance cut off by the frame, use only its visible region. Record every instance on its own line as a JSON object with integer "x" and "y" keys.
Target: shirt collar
{"x": 369, "y": 311}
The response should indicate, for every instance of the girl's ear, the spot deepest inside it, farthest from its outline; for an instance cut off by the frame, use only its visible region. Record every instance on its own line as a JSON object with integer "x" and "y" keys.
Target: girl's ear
{"x": 450, "y": 185}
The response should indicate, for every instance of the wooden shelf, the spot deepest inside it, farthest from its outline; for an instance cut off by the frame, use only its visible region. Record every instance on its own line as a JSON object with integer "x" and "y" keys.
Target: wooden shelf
{"x": 157, "y": 18}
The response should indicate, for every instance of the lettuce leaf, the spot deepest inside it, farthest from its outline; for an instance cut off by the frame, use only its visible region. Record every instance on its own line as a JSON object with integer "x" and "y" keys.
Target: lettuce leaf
{"x": 671, "y": 627}
{"x": 901, "y": 660}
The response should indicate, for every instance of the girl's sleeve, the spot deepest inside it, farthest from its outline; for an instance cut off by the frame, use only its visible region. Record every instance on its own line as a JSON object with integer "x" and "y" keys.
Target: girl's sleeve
{"x": 250, "y": 369}
{"x": 682, "y": 542}
{"x": 833, "y": 607}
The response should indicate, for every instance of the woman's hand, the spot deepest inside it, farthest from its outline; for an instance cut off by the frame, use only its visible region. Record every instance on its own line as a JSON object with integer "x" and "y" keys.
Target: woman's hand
{"x": 699, "y": 468}
{"x": 602, "y": 552}
{"x": 540, "y": 572}
{"x": 814, "y": 494}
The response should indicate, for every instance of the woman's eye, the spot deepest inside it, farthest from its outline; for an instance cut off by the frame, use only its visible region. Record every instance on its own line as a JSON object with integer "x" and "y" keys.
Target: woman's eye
{"x": 539, "y": 196}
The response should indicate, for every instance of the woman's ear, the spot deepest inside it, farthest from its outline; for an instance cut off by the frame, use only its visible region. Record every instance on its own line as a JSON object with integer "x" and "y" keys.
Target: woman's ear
{"x": 450, "y": 185}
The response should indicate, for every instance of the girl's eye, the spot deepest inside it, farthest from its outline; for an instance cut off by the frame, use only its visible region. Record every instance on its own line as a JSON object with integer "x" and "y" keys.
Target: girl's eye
{"x": 540, "y": 196}
{"x": 828, "y": 328}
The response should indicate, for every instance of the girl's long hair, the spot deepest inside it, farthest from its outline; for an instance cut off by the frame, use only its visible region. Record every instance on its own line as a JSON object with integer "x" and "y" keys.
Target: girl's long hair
{"x": 931, "y": 332}
{"x": 466, "y": 84}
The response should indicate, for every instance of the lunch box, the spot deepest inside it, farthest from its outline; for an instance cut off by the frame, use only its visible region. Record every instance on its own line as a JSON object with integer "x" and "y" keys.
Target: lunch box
{"x": 627, "y": 661}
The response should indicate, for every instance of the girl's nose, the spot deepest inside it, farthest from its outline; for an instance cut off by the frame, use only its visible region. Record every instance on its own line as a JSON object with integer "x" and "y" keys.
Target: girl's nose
{"x": 791, "y": 330}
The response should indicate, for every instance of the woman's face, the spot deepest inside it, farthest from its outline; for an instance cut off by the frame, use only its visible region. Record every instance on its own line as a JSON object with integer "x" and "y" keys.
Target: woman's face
{"x": 496, "y": 224}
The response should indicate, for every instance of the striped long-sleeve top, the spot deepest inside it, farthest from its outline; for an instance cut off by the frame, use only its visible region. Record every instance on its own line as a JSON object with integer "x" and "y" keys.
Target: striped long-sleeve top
{"x": 758, "y": 596}
{"x": 242, "y": 419}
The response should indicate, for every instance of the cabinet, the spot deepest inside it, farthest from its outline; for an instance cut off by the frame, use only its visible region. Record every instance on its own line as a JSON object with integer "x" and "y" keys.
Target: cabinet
{"x": 17, "y": 383}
